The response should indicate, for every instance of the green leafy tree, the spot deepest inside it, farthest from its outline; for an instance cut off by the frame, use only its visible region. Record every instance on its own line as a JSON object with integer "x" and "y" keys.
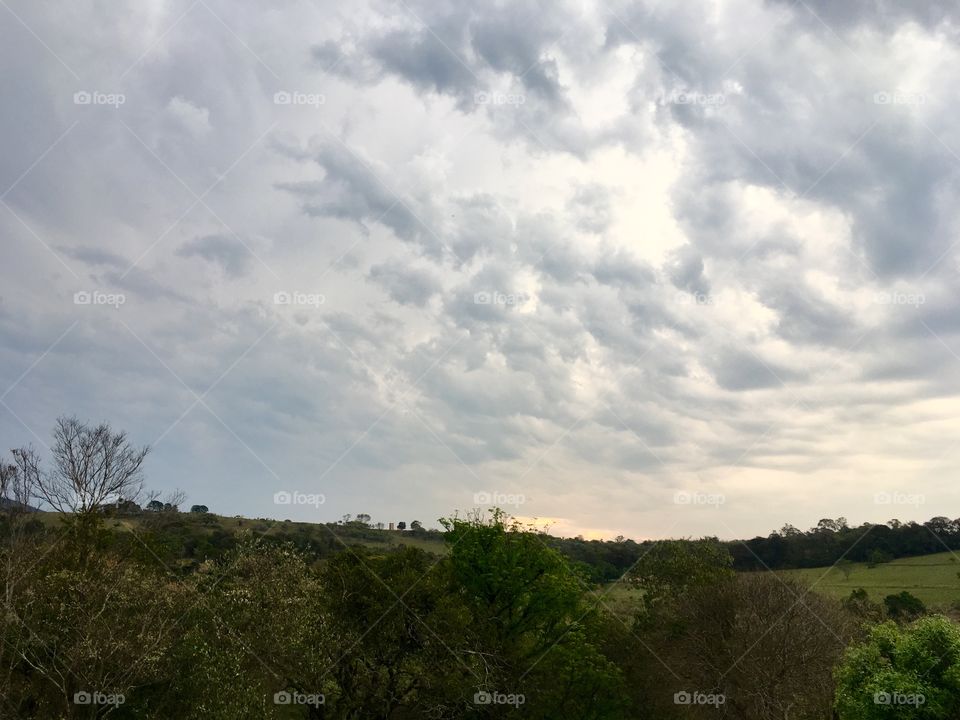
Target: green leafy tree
{"x": 669, "y": 568}
{"x": 904, "y": 606}
{"x": 532, "y": 631}
{"x": 401, "y": 628}
{"x": 902, "y": 672}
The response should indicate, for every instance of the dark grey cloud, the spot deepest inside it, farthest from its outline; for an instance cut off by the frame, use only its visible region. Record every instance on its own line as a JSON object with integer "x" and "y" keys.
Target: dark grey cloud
{"x": 737, "y": 370}
{"x": 592, "y": 207}
{"x": 406, "y": 285}
{"x": 352, "y": 190}
{"x": 877, "y": 13}
{"x": 225, "y": 251}
{"x": 687, "y": 271}
{"x": 94, "y": 256}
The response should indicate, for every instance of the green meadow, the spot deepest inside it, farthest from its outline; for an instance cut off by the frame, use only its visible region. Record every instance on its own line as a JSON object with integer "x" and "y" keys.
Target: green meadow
{"x": 935, "y": 579}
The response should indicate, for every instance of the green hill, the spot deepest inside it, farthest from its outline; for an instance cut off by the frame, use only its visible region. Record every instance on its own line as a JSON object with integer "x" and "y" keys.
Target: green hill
{"x": 935, "y": 579}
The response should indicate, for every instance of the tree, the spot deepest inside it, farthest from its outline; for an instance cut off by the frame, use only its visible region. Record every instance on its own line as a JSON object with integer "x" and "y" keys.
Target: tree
{"x": 92, "y": 466}
{"x": 401, "y": 525}
{"x": 201, "y": 509}
{"x": 669, "y": 568}
{"x": 416, "y": 525}
{"x": 858, "y": 603}
{"x": 363, "y": 518}
{"x": 904, "y": 606}
{"x": 902, "y": 671}
{"x": 155, "y": 506}
{"x": 415, "y": 664}
{"x": 845, "y": 567}
{"x": 766, "y": 643}
{"x": 173, "y": 500}
{"x": 530, "y": 629}
{"x": 16, "y": 488}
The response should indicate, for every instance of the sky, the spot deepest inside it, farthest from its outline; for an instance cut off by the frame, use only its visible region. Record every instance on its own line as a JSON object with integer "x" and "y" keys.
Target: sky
{"x": 655, "y": 268}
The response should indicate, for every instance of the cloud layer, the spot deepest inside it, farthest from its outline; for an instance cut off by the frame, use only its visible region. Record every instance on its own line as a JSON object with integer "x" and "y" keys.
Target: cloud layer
{"x": 620, "y": 259}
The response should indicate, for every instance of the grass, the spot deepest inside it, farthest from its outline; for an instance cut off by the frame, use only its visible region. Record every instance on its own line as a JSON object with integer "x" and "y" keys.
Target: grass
{"x": 932, "y": 578}
{"x": 205, "y": 525}
{"x": 620, "y": 598}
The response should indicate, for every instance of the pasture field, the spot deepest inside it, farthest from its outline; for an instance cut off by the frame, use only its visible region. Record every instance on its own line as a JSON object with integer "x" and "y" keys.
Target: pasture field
{"x": 935, "y": 579}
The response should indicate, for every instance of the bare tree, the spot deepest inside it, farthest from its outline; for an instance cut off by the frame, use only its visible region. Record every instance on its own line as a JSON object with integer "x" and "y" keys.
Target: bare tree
{"x": 16, "y": 492}
{"x": 92, "y": 466}
{"x": 14, "y": 486}
{"x": 174, "y": 499}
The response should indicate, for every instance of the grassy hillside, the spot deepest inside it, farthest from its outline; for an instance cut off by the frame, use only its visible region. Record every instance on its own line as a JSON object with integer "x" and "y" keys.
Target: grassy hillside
{"x": 210, "y": 527}
{"x": 932, "y": 578}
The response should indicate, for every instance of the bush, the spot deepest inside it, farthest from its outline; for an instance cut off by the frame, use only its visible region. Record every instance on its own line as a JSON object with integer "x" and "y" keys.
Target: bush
{"x": 902, "y": 671}
{"x": 904, "y": 606}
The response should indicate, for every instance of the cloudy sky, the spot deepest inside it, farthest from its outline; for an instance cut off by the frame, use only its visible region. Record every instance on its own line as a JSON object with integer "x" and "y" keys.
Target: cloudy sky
{"x": 654, "y": 268}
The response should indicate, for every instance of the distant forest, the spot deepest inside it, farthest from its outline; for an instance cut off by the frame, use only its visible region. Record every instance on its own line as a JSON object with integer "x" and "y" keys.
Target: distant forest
{"x": 788, "y": 548}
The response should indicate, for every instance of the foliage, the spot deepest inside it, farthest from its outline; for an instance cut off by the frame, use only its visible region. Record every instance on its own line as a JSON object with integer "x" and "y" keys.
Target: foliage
{"x": 671, "y": 567}
{"x": 531, "y": 628}
{"x": 904, "y": 606}
{"x": 902, "y": 672}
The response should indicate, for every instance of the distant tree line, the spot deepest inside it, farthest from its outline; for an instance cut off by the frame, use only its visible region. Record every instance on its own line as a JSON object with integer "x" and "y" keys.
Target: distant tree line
{"x": 826, "y": 544}
{"x": 832, "y": 540}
